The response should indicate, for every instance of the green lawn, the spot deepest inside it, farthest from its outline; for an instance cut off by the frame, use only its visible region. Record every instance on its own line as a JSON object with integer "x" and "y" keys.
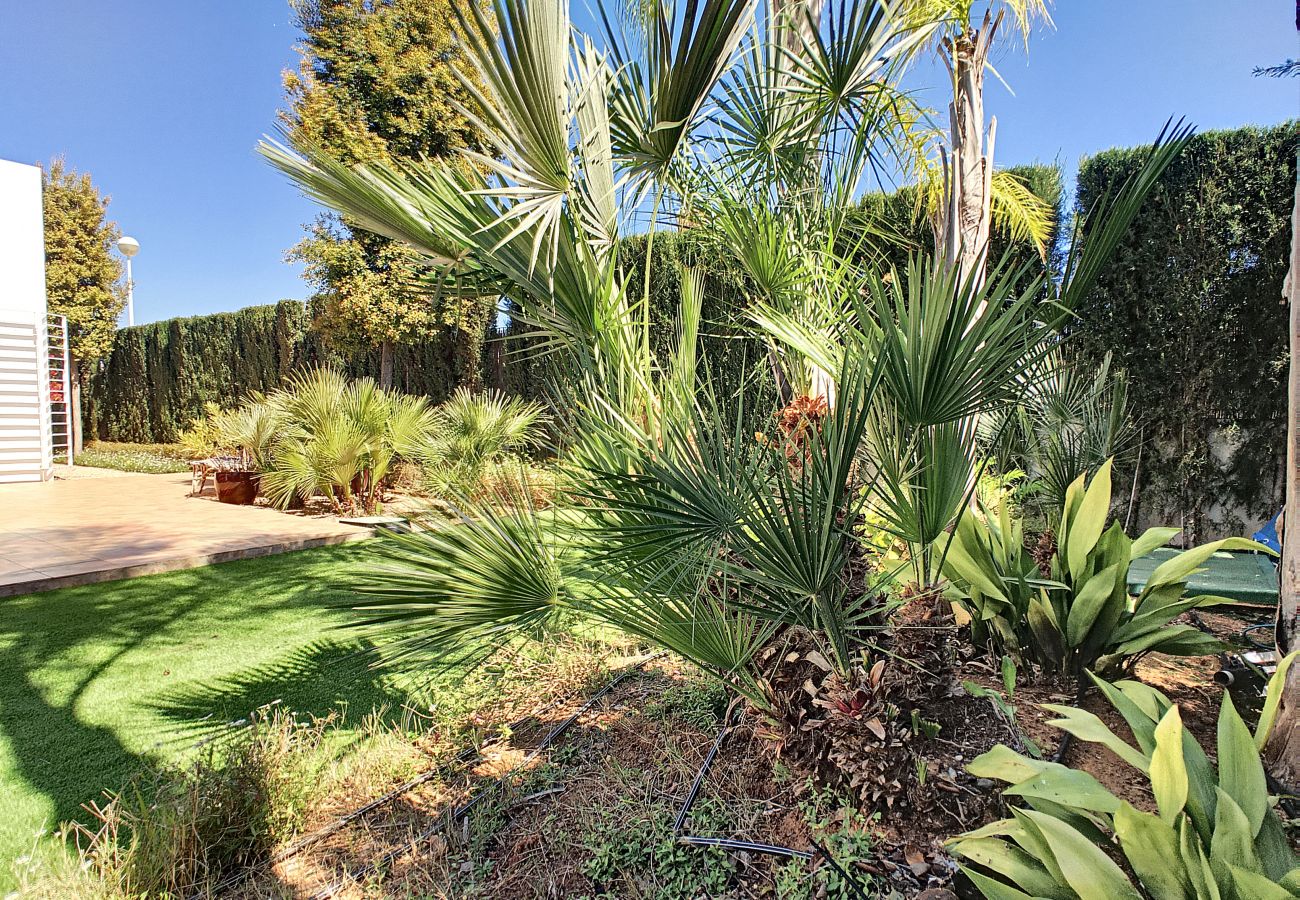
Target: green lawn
{"x": 95, "y": 680}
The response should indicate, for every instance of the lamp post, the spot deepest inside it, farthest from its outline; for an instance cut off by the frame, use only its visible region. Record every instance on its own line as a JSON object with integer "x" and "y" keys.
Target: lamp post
{"x": 129, "y": 247}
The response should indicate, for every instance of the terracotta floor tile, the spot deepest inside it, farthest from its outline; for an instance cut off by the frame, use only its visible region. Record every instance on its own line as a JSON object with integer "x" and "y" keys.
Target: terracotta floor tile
{"x": 84, "y": 526}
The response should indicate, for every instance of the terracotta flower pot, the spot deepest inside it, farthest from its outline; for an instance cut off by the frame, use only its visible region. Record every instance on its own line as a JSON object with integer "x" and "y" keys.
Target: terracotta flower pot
{"x": 239, "y": 488}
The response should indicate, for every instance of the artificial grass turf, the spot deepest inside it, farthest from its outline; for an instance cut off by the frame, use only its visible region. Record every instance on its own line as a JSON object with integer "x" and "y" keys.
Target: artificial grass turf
{"x": 95, "y": 681}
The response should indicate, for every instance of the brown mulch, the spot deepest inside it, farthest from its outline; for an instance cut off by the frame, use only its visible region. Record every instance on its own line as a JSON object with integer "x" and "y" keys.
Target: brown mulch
{"x": 896, "y": 741}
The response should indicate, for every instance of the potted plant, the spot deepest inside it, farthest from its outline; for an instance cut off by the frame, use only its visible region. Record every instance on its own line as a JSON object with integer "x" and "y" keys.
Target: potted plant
{"x": 246, "y": 436}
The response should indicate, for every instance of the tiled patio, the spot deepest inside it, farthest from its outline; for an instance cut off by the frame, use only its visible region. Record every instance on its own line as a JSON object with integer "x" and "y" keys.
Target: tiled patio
{"x": 85, "y": 530}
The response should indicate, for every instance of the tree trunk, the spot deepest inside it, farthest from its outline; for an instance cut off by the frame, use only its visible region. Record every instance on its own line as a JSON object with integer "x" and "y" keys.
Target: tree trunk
{"x": 1282, "y": 749}
{"x": 961, "y": 227}
{"x": 798, "y": 19}
{"x": 386, "y": 365}
{"x": 75, "y": 441}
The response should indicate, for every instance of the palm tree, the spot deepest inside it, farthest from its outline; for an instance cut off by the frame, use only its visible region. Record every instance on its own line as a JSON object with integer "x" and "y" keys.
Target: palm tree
{"x": 682, "y": 527}
{"x": 337, "y": 438}
{"x": 964, "y": 192}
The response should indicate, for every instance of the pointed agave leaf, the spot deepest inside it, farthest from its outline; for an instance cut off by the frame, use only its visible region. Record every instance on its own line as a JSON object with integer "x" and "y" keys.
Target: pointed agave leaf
{"x": 1012, "y": 863}
{"x": 1273, "y": 847}
{"x": 1196, "y": 863}
{"x": 1185, "y": 564}
{"x": 1072, "y": 789}
{"x": 1087, "y": 727}
{"x": 995, "y": 890}
{"x": 1257, "y": 886}
{"x": 1151, "y": 848}
{"x": 1152, "y": 539}
{"x": 1233, "y": 840}
{"x": 1139, "y": 722}
{"x": 1168, "y": 768}
{"x": 1090, "y": 600}
{"x": 1087, "y": 524}
{"x": 1241, "y": 774}
{"x": 1086, "y": 869}
{"x": 1180, "y": 640}
{"x": 1004, "y": 764}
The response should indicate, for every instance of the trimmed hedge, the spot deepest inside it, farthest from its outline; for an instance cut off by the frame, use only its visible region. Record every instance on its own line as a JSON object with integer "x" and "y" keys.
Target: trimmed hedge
{"x": 158, "y": 377}
{"x": 1191, "y": 307}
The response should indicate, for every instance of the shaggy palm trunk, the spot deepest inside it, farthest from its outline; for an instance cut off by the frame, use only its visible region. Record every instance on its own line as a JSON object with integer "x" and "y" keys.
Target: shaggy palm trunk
{"x": 1282, "y": 750}
{"x": 962, "y": 224}
{"x": 386, "y": 365}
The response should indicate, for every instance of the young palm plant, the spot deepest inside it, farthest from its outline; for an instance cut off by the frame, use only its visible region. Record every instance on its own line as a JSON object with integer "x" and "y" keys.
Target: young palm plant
{"x": 683, "y": 527}
{"x": 339, "y": 439}
{"x": 472, "y": 434}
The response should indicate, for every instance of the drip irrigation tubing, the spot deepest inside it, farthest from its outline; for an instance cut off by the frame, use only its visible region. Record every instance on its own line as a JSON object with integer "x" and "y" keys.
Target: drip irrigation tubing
{"x": 466, "y": 756}
{"x": 738, "y": 844}
{"x": 484, "y": 792}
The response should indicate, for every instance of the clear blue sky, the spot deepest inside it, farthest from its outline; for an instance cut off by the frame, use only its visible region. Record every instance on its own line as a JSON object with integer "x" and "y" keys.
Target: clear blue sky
{"x": 164, "y": 100}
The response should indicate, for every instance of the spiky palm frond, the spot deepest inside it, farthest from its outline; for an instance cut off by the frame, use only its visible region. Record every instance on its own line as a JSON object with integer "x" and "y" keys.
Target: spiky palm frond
{"x": 522, "y": 58}
{"x": 444, "y": 594}
{"x": 661, "y": 92}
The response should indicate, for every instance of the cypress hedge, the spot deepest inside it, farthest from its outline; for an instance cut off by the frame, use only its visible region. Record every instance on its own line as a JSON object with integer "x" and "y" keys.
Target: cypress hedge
{"x": 158, "y": 377}
{"x": 1191, "y": 306}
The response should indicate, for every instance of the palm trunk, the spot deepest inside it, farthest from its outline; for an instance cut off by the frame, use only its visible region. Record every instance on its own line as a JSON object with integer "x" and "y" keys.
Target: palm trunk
{"x": 386, "y": 365}
{"x": 1282, "y": 749}
{"x": 961, "y": 227}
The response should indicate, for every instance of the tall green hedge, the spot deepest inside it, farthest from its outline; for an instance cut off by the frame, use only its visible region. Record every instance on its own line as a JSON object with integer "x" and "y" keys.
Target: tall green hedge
{"x": 1192, "y": 307}
{"x": 158, "y": 376}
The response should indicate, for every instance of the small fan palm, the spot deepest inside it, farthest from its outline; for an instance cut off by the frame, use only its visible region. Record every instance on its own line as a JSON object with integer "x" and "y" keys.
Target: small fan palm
{"x": 472, "y": 433}
{"x": 339, "y": 439}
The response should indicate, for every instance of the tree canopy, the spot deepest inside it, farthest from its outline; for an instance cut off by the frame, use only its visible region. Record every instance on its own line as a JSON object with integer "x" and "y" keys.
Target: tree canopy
{"x": 377, "y": 81}
{"x": 83, "y": 278}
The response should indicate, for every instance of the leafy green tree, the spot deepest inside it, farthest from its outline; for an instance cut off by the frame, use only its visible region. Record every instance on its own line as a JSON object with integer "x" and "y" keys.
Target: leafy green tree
{"x": 377, "y": 82}
{"x": 83, "y": 279}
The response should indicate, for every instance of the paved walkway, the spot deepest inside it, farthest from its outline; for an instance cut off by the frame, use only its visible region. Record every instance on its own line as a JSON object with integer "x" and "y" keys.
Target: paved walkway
{"x": 85, "y": 530}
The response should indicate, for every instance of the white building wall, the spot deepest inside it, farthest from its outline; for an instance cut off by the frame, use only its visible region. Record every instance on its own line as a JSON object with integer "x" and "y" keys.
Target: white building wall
{"x": 26, "y": 435}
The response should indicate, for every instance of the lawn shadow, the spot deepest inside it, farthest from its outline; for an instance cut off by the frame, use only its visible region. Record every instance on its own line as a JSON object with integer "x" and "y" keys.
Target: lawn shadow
{"x": 316, "y": 680}
{"x": 56, "y": 645}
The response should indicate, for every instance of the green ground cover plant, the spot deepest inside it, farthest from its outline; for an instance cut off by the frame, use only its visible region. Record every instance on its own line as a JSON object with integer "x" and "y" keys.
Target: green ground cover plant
{"x": 150, "y": 459}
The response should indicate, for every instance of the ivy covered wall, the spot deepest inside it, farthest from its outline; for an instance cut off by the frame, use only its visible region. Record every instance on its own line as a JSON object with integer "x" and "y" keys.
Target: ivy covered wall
{"x": 1191, "y": 306}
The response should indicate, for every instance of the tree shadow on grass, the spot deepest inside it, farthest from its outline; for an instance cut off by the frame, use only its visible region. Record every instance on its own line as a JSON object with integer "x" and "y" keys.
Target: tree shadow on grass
{"x": 56, "y": 646}
{"x": 315, "y": 680}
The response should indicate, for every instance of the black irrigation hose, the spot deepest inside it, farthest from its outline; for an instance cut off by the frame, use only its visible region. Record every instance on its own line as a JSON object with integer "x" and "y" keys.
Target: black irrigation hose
{"x": 479, "y": 796}
{"x": 737, "y": 844}
{"x": 469, "y": 754}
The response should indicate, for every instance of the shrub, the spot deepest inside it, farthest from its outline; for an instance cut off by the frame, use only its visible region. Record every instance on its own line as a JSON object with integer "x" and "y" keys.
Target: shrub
{"x": 1082, "y": 619}
{"x": 1216, "y": 833}
{"x": 176, "y": 832}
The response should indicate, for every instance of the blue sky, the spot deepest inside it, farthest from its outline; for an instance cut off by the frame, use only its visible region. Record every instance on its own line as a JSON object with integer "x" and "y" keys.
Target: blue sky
{"x": 163, "y": 102}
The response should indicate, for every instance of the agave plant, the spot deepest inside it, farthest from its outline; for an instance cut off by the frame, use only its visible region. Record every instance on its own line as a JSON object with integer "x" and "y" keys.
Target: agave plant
{"x": 682, "y": 527}
{"x": 1081, "y": 618}
{"x": 1215, "y": 832}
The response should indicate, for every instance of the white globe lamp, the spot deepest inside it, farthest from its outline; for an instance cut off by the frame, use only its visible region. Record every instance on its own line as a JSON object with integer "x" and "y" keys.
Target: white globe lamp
{"x": 129, "y": 247}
